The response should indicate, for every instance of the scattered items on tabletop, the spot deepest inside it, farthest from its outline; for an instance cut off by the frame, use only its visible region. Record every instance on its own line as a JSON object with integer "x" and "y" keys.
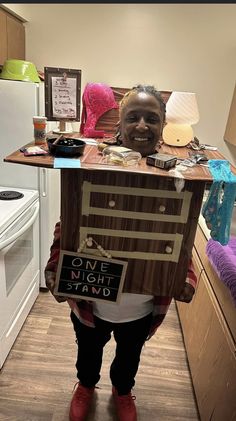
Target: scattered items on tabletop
{"x": 160, "y": 160}
{"x": 34, "y": 150}
{"x": 119, "y": 155}
{"x": 194, "y": 158}
{"x": 102, "y": 146}
{"x": 65, "y": 146}
{"x": 199, "y": 157}
{"x": 197, "y": 146}
{"x": 89, "y": 141}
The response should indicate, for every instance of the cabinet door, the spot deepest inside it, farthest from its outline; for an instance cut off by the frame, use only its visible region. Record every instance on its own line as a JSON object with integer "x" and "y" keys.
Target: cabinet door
{"x": 3, "y": 37}
{"x": 222, "y": 293}
{"x": 186, "y": 311}
{"x": 15, "y": 39}
{"x": 211, "y": 353}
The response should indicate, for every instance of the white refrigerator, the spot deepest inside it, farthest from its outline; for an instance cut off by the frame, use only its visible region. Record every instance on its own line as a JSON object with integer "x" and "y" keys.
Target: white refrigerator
{"x": 19, "y": 102}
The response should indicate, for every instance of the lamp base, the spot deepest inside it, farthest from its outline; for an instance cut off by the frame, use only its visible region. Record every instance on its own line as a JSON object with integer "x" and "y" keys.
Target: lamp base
{"x": 177, "y": 134}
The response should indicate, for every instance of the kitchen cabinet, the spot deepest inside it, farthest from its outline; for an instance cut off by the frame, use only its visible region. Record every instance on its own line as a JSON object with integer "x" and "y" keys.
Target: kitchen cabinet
{"x": 12, "y": 37}
{"x": 3, "y": 36}
{"x": 209, "y": 330}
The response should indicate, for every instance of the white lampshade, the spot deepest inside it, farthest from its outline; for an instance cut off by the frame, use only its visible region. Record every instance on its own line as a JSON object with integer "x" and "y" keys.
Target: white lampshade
{"x": 177, "y": 134}
{"x": 181, "y": 108}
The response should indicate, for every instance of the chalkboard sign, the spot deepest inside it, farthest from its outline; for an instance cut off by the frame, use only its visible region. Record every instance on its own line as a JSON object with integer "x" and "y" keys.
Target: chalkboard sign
{"x": 89, "y": 277}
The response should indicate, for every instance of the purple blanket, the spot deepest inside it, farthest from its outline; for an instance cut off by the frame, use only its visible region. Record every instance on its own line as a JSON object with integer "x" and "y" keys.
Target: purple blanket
{"x": 223, "y": 260}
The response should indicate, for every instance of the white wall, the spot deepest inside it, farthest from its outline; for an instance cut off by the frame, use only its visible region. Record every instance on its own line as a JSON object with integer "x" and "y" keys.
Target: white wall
{"x": 173, "y": 46}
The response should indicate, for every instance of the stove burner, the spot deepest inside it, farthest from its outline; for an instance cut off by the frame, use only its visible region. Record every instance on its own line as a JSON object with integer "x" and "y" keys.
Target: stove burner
{"x": 10, "y": 195}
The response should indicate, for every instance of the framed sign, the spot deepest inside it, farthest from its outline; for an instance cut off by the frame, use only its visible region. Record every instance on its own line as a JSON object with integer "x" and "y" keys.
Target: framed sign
{"x": 62, "y": 94}
{"x": 89, "y": 277}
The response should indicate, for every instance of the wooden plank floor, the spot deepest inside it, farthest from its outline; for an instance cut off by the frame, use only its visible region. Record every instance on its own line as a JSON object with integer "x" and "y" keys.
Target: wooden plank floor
{"x": 37, "y": 379}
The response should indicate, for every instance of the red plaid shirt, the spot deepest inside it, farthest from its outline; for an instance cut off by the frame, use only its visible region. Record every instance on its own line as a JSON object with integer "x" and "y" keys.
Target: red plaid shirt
{"x": 84, "y": 309}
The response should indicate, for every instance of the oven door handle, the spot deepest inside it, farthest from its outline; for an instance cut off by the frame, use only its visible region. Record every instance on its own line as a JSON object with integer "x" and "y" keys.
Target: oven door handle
{"x": 22, "y": 230}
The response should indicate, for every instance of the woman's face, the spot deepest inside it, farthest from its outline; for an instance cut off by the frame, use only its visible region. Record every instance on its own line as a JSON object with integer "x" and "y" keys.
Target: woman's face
{"x": 141, "y": 123}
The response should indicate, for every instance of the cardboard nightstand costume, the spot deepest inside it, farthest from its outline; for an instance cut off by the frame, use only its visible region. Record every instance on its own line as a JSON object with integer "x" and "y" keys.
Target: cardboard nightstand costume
{"x": 136, "y": 214}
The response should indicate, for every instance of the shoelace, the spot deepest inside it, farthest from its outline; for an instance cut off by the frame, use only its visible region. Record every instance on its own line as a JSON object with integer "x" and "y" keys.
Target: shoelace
{"x": 83, "y": 393}
{"x": 76, "y": 384}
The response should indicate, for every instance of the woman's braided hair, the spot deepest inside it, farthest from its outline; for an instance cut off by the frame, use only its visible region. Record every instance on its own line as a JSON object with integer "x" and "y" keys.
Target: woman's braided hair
{"x": 148, "y": 89}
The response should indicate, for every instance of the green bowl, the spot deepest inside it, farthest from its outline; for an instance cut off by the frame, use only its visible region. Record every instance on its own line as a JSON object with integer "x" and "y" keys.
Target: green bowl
{"x": 19, "y": 70}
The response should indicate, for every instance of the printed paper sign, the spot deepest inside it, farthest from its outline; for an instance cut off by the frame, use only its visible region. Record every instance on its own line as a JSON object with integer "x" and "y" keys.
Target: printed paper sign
{"x": 64, "y": 97}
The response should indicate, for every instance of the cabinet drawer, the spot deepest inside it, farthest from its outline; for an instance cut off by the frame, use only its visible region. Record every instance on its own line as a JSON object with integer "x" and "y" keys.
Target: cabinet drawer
{"x": 185, "y": 310}
{"x": 211, "y": 354}
{"x": 221, "y": 291}
{"x": 148, "y": 219}
{"x": 212, "y": 357}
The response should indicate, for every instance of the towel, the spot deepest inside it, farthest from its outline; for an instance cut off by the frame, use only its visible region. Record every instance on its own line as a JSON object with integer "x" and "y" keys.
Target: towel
{"x": 218, "y": 208}
{"x": 223, "y": 260}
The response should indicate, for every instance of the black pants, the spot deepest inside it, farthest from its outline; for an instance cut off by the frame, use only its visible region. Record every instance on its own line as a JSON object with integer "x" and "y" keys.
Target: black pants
{"x": 129, "y": 337}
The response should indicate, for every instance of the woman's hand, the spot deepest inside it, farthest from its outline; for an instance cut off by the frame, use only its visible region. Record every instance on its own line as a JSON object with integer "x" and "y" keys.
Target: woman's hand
{"x": 186, "y": 294}
{"x": 50, "y": 278}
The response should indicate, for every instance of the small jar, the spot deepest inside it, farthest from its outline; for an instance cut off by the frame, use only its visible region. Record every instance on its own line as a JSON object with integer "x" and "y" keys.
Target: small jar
{"x": 39, "y": 130}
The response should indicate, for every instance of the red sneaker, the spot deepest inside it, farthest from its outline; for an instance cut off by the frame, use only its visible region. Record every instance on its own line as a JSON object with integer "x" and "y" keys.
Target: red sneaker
{"x": 81, "y": 402}
{"x": 125, "y": 406}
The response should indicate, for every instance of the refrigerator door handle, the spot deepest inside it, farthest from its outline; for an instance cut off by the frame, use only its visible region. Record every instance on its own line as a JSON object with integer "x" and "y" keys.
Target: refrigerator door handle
{"x": 43, "y": 182}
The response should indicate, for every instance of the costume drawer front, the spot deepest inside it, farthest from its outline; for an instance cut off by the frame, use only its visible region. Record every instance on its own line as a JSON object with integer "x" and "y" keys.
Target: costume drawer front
{"x": 135, "y": 222}
{"x": 142, "y": 219}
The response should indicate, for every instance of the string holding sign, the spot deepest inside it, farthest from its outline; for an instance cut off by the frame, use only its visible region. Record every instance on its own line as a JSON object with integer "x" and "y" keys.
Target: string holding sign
{"x": 89, "y": 242}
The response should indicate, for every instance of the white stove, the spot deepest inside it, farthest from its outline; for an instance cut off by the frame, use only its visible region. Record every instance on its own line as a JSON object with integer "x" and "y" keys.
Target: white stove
{"x": 19, "y": 261}
{"x": 10, "y": 209}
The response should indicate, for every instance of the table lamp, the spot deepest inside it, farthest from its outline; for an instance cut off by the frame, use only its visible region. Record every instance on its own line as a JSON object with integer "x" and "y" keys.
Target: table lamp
{"x": 181, "y": 113}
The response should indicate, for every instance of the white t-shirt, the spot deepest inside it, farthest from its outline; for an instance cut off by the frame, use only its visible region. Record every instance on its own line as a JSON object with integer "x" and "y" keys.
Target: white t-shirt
{"x": 131, "y": 307}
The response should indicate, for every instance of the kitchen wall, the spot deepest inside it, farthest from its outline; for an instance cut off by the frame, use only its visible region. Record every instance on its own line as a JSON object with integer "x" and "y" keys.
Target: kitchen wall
{"x": 182, "y": 47}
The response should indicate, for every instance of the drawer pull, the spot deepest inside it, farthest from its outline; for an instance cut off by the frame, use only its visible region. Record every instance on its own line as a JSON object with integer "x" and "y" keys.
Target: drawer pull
{"x": 112, "y": 203}
{"x": 168, "y": 249}
{"x": 162, "y": 208}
